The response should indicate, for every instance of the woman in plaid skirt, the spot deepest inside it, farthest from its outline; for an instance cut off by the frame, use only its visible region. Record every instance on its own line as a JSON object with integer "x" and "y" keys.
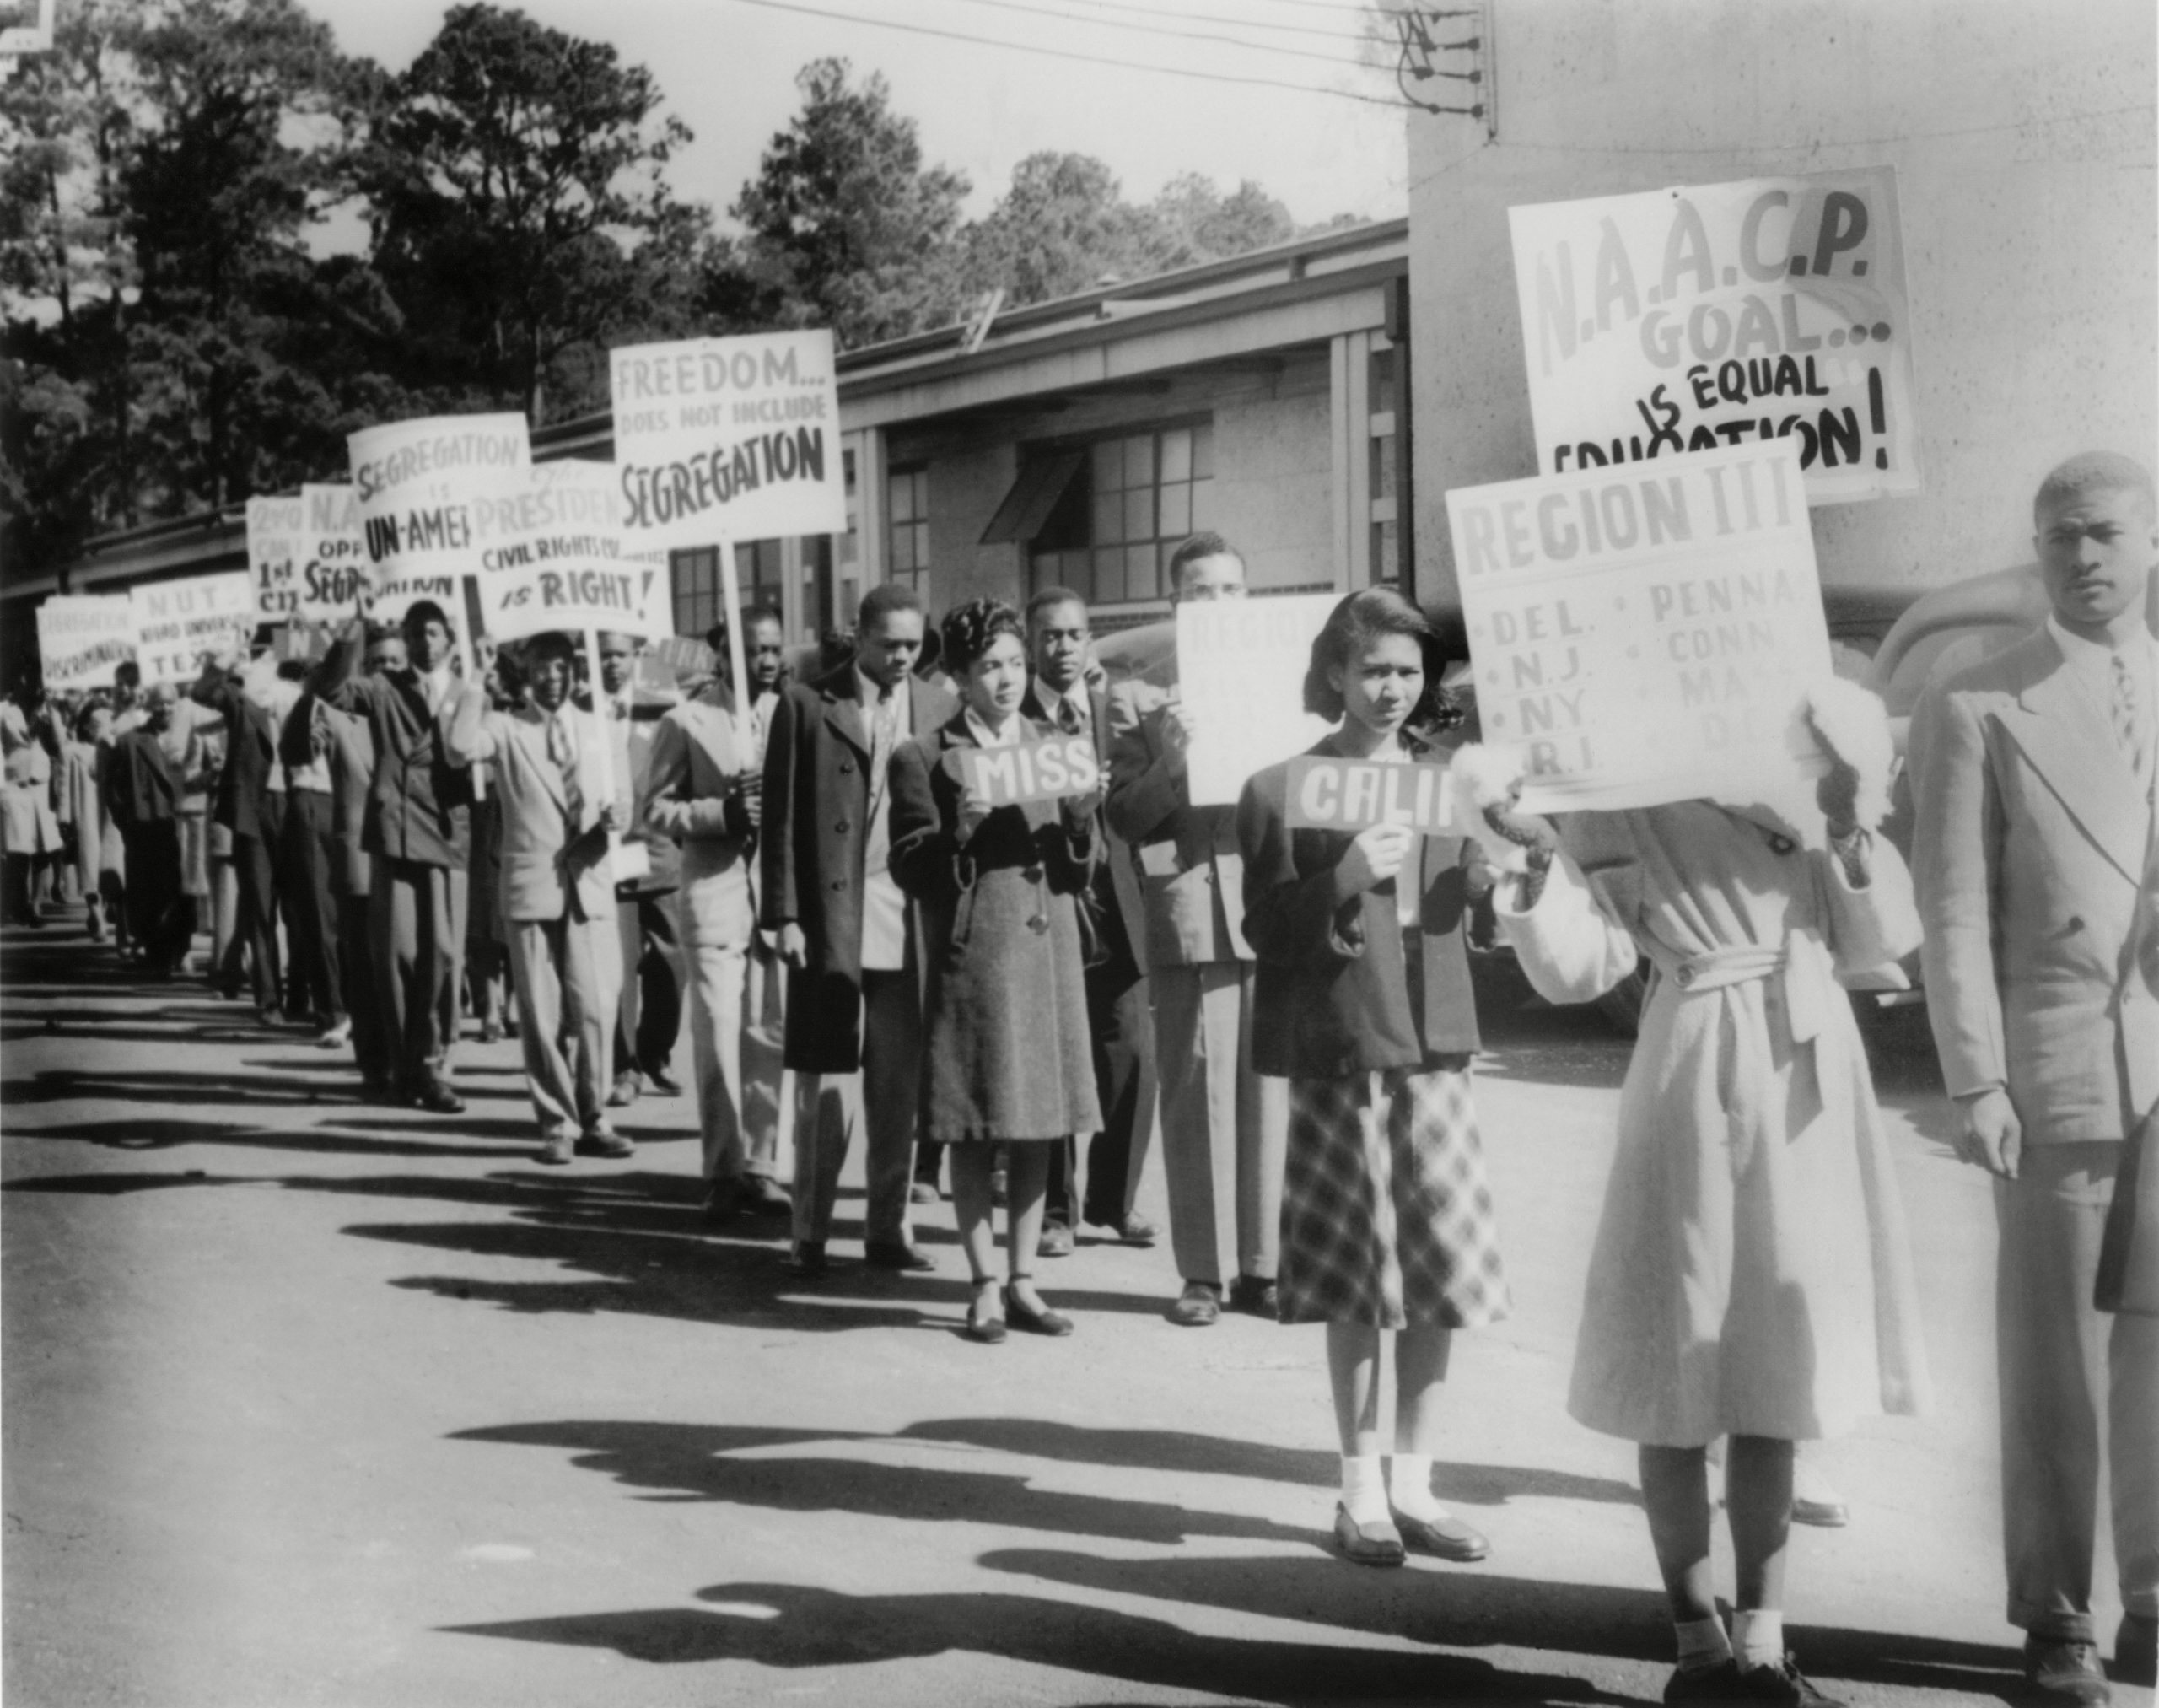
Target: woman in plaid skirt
{"x": 1363, "y": 1004}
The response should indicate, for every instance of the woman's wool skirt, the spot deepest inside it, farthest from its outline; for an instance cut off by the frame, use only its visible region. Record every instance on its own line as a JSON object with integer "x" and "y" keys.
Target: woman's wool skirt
{"x": 1386, "y": 1217}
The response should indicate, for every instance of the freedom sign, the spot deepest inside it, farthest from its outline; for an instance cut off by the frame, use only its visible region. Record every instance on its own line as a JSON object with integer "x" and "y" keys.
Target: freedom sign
{"x": 82, "y": 639}
{"x": 1719, "y": 315}
{"x": 1241, "y": 672}
{"x": 1045, "y": 770}
{"x": 273, "y": 546}
{"x": 728, "y": 439}
{"x": 333, "y": 578}
{"x": 1327, "y": 793}
{"x": 552, "y": 557}
{"x": 1645, "y": 634}
{"x": 177, "y": 623}
{"x": 416, "y": 483}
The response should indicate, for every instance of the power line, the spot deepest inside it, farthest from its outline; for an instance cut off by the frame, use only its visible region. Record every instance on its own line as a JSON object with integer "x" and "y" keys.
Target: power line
{"x": 1217, "y": 17}
{"x": 1083, "y": 58}
{"x": 1303, "y": 53}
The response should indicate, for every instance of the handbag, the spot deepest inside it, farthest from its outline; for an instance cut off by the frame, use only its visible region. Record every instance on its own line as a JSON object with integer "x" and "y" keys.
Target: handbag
{"x": 2128, "y": 1281}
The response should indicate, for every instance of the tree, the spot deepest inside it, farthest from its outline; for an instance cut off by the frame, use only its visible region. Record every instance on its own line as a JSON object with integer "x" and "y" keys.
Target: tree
{"x": 1195, "y": 223}
{"x": 521, "y": 214}
{"x": 1063, "y": 227}
{"x": 845, "y": 226}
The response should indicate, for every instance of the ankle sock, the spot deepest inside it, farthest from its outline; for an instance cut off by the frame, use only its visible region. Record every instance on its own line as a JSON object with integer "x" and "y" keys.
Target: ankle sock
{"x": 1758, "y": 1636}
{"x": 1702, "y": 1644}
{"x": 1409, "y": 1485}
{"x": 1364, "y": 1491}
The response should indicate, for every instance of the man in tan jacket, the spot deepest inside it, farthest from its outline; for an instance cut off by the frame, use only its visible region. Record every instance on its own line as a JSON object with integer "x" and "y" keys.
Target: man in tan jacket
{"x": 2034, "y": 774}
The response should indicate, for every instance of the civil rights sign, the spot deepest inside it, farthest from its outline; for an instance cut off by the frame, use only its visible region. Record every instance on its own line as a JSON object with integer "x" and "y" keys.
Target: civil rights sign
{"x": 1241, "y": 672}
{"x": 81, "y": 637}
{"x": 416, "y": 482}
{"x": 177, "y": 623}
{"x": 333, "y": 577}
{"x": 552, "y": 557}
{"x": 273, "y": 546}
{"x": 1045, "y": 770}
{"x": 1648, "y": 633}
{"x": 1719, "y": 315}
{"x": 728, "y": 439}
{"x": 1326, "y": 793}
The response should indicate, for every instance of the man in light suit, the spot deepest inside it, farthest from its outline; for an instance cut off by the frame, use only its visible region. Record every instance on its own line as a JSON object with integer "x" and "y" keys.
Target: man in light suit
{"x": 848, "y": 936}
{"x": 561, "y": 801}
{"x": 1224, "y": 1130}
{"x": 1061, "y": 697}
{"x": 2034, "y": 777}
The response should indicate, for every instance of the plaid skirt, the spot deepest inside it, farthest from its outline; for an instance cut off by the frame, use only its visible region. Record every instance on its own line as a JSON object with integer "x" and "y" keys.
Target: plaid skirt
{"x": 1386, "y": 1218}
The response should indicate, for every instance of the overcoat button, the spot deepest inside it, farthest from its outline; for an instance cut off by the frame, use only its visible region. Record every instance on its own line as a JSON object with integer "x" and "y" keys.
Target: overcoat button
{"x": 836, "y": 884}
{"x": 1037, "y": 923}
{"x": 841, "y": 828}
{"x": 845, "y": 765}
{"x": 1683, "y": 977}
{"x": 1033, "y": 874}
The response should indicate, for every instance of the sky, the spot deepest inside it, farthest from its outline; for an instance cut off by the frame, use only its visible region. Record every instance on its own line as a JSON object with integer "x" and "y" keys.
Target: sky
{"x": 727, "y": 68}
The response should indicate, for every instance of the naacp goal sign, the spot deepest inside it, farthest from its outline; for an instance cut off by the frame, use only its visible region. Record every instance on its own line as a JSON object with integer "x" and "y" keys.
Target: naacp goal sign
{"x": 273, "y": 531}
{"x": 82, "y": 639}
{"x": 552, "y": 557}
{"x": 1722, "y": 314}
{"x": 728, "y": 439}
{"x": 1645, "y": 634}
{"x": 333, "y": 578}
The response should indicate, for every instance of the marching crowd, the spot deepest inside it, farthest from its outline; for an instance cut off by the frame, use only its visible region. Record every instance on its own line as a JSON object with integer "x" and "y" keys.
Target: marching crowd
{"x": 804, "y": 876}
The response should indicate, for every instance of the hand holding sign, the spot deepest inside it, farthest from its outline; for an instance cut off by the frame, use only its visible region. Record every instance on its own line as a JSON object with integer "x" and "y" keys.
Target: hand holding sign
{"x": 1376, "y": 855}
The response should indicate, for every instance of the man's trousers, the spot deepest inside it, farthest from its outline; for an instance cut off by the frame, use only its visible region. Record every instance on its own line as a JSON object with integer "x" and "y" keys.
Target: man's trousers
{"x": 1224, "y": 1130}
{"x": 882, "y": 1098}
{"x": 569, "y": 974}
{"x": 2072, "y": 1375}
{"x": 312, "y": 854}
{"x": 1122, "y": 1032}
{"x": 371, "y": 1041}
{"x": 417, "y": 917}
{"x": 161, "y": 918}
{"x": 655, "y": 968}
{"x": 254, "y": 928}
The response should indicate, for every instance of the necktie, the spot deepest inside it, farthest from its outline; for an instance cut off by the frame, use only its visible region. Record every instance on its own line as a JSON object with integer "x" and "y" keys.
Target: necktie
{"x": 563, "y": 752}
{"x": 2129, "y": 713}
{"x": 1068, "y": 716}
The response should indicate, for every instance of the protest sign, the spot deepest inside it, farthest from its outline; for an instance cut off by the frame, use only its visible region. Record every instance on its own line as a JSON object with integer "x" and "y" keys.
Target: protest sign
{"x": 416, "y": 483}
{"x": 1721, "y": 314}
{"x": 177, "y": 623}
{"x": 1046, "y": 770}
{"x": 1644, "y": 635}
{"x": 80, "y": 640}
{"x": 728, "y": 439}
{"x": 1353, "y": 795}
{"x": 673, "y": 659}
{"x": 273, "y": 548}
{"x": 333, "y": 578}
{"x": 1240, "y": 670}
{"x": 552, "y": 557}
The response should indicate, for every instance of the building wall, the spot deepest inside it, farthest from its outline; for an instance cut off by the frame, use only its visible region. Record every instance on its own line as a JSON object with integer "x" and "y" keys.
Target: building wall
{"x": 1271, "y": 500}
{"x": 2023, "y": 139}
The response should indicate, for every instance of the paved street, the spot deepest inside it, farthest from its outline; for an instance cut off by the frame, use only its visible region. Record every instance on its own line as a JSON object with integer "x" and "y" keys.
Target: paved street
{"x": 310, "y": 1402}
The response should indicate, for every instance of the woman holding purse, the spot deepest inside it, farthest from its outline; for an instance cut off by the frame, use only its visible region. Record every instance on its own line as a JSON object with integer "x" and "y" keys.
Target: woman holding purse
{"x": 1363, "y": 1004}
{"x": 1007, "y": 1054}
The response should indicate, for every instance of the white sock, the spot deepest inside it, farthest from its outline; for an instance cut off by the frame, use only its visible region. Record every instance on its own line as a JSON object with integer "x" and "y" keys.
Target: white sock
{"x": 1364, "y": 1491}
{"x": 1409, "y": 1484}
{"x": 1702, "y": 1644}
{"x": 1758, "y": 1636}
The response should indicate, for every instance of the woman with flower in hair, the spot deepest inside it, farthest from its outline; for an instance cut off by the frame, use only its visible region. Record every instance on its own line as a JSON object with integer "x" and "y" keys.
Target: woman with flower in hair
{"x": 1007, "y": 1058}
{"x": 1363, "y": 1004}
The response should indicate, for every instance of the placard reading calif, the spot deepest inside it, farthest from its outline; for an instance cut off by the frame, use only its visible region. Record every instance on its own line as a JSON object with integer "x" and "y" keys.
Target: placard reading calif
{"x": 1644, "y": 635}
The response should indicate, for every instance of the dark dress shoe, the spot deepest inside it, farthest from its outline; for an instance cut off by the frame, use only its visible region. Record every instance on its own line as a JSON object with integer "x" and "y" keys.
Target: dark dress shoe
{"x": 604, "y": 1141}
{"x": 2136, "y": 1650}
{"x": 661, "y": 1083}
{"x": 1045, "y": 1320}
{"x": 1445, "y": 1538}
{"x": 723, "y": 1199}
{"x": 1198, "y": 1307}
{"x": 1255, "y": 1295}
{"x": 438, "y": 1099}
{"x": 554, "y": 1150}
{"x": 2064, "y": 1675}
{"x": 1367, "y": 1545}
{"x": 1782, "y": 1685}
{"x": 895, "y": 1254}
{"x": 763, "y": 1195}
{"x": 1717, "y": 1685}
{"x": 1056, "y": 1241}
{"x": 806, "y": 1258}
{"x": 1824, "y": 1515}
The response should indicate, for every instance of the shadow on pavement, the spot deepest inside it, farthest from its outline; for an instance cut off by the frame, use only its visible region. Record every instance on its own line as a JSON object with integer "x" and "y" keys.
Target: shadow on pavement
{"x": 146, "y": 1133}
{"x": 158, "y": 1088}
{"x": 790, "y": 1625}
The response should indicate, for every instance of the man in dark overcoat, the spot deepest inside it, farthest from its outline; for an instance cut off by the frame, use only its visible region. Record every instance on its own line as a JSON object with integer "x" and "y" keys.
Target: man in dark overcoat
{"x": 847, "y": 934}
{"x": 143, "y": 791}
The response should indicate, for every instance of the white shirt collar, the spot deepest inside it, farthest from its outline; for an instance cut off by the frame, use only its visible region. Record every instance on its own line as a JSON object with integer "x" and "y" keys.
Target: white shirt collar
{"x": 869, "y": 691}
{"x": 983, "y": 737}
{"x": 2096, "y": 656}
{"x": 1076, "y": 696}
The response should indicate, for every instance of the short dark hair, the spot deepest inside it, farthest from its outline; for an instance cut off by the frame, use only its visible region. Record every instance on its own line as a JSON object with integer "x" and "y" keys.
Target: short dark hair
{"x": 2090, "y": 472}
{"x": 127, "y": 674}
{"x": 1357, "y": 619}
{"x": 752, "y": 615}
{"x": 550, "y": 644}
{"x": 1206, "y": 543}
{"x": 969, "y": 629}
{"x": 1048, "y": 599}
{"x": 422, "y": 611}
{"x": 885, "y": 598}
{"x": 384, "y": 631}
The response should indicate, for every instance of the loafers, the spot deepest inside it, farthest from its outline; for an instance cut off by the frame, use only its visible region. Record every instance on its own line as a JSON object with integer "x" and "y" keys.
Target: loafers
{"x": 1255, "y": 1295}
{"x": 895, "y": 1254}
{"x": 603, "y": 1140}
{"x": 2136, "y": 1650}
{"x": 1198, "y": 1307}
{"x": 1056, "y": 1241}
{"x": 1045, "y": 1320}
{"x": 1367, "y": 1545}
{"x": 2065, "y": 1674}
{"x": 1445, "y": 1538}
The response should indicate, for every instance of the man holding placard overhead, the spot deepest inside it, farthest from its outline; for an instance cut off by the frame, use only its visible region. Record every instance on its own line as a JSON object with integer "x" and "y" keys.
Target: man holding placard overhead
{"x": 1224, "y": 1130}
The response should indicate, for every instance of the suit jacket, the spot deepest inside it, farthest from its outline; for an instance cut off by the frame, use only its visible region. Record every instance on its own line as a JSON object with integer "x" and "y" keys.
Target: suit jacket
{"x": 691, "y": 796}
{"x": 1334, "y": 993}
{"x": 635, "y": 737}
{"x": 1191, "y": 873}
{"x": 420, "y": 807}
{"x": 142, "y": 785}
{"x": 351, "y": 748}
{"x": 251, "y": 755}
{"x": 816, "y": 800}
{"x": 550, "y": 871}
{"x": 2033, "y": 837}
